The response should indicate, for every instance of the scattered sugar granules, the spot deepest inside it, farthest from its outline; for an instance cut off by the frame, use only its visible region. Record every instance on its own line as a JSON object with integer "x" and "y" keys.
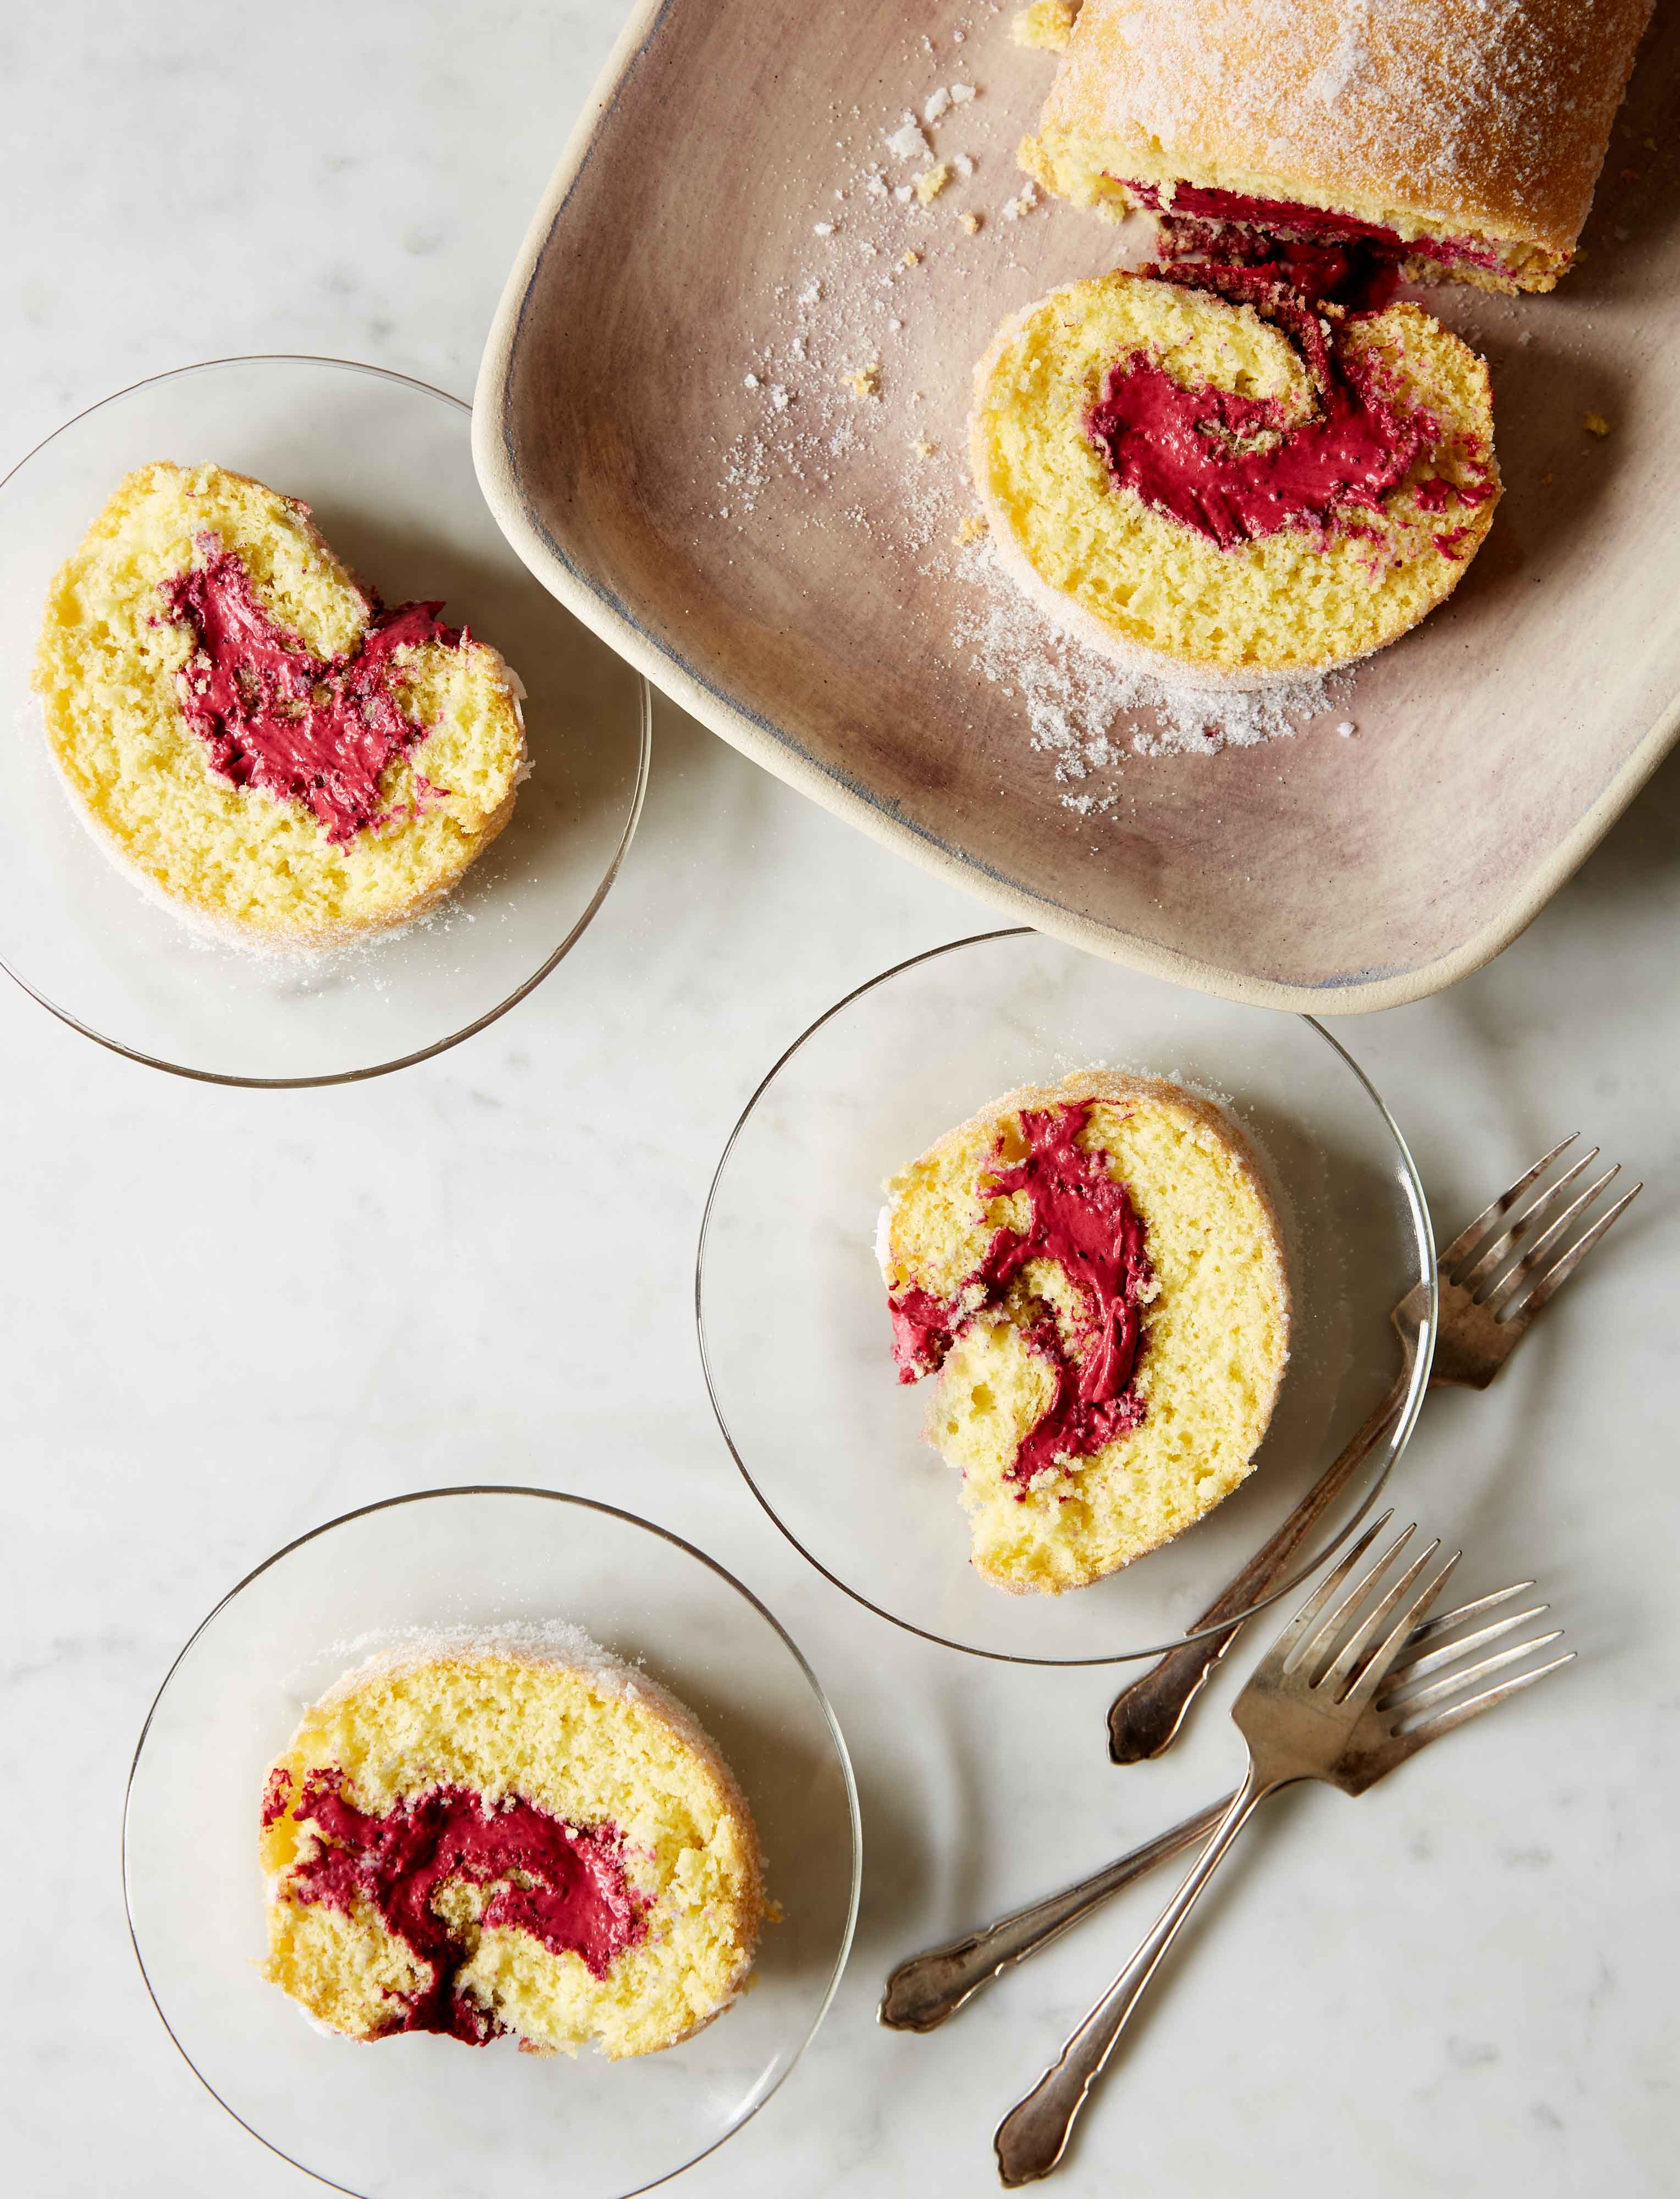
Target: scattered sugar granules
{"x": 810, "y": 455}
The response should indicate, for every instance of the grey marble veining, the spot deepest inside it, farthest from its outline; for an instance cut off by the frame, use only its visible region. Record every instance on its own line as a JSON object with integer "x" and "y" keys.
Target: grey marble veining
{"x": 228, "y": 1315}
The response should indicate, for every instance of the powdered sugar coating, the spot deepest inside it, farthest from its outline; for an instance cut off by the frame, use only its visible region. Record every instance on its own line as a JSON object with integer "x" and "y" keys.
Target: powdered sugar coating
{"x": 1491, "y": 115}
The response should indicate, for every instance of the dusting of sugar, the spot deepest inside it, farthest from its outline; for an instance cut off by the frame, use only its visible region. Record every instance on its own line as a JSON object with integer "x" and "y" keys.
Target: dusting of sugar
{"x": 833, "y": 367}
{"x": 1087, "y": 713}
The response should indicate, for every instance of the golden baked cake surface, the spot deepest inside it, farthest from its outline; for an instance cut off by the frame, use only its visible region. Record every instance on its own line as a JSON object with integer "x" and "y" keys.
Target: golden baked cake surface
{"x": 1428, "y": 118}
{"x": 1091, "y": 1276}
{"x": 495, "y": 1836}
{"x": 201, "y": 624}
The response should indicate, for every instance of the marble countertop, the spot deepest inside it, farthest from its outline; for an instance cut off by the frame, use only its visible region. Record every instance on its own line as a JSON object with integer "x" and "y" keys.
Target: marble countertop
{"x": 1465, "y": 1981}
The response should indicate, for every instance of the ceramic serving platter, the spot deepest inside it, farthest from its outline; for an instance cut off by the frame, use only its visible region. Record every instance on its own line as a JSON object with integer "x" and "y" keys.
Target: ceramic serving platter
{"x": 668, "y": 431}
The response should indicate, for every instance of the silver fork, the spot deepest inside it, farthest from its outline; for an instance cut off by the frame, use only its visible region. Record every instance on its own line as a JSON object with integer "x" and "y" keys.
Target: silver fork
{"x": 924, "y": 1990}
{"x": 1303, "y": 1714}
{"x": 1493, "y": 1278}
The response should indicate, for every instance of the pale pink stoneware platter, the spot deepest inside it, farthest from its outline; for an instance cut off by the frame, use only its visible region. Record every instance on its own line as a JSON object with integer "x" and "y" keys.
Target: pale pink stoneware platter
{"x": 661, "y": 431}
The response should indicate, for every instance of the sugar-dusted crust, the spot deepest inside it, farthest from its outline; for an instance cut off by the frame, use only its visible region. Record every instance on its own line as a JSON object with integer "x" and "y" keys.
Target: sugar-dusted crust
{"x": 561, "y": 1647}
{"x": 1432, "y": 116}
{"x": 1430, "y": 577}
{"x": 1082, "y": 1557}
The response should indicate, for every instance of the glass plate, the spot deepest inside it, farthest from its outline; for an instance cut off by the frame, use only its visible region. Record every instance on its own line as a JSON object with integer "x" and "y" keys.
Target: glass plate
{"x": 418, "y": 2116}
{"x": 386, "y": 463}
{"x": 794, "y": 1330}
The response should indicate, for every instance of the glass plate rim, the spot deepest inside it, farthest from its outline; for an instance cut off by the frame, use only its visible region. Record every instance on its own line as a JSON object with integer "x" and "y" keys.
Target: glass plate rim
{"x": 1417, "y": 1381}
{"x": 643, "y": 764}
{"x": 843, "y": 1753}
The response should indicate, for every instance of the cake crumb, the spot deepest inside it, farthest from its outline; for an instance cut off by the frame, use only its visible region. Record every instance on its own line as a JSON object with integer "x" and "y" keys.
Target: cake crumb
{"x": 1047, "y": 25}
{"x": 822, "y": 229}
{"x": 1347, "y": 729}
{"x": 938, "y": 106}
{"x": 749, "y": 382}
{"x": 864, "y": 381}
{"x": 962, "y": 93}
{"x": 1595, "y": 424}
{"x": 911, "y": 259}
{"x": 1023, "y": 204}
{"x": 973, "y": 526}
{"x": 964, "y": 165}
{"x": 973, "y": 223}
{"x": 931, "y": 181}
{"x": 924, "y": 448}
{"x": 906, "y": 142}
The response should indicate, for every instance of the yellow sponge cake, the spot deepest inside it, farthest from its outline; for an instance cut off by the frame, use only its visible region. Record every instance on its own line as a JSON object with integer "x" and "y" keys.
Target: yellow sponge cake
{"x": 1092, "y": 1274}
{"x": 508, "y": 1833}
{"x": 1460, "y": 142}
{"x": 1219, "y": 480}
{"x": 251, "y": 733}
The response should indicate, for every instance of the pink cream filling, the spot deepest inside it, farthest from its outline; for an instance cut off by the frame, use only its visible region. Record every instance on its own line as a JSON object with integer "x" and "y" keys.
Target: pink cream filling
{"x": 564, "y": 1884}
{"x": 274, "y": 716}
{"x": 1084, "y": 1221}
{"x": 1235, "y": 469}
{"x": 1285, "y": 217}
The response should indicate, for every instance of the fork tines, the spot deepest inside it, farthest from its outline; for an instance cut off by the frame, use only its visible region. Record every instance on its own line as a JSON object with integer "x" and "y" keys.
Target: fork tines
{"x": 1500, "y": 1258}
{"x": 1422, "y": 1706}
{"x": 1355, "y": 1660}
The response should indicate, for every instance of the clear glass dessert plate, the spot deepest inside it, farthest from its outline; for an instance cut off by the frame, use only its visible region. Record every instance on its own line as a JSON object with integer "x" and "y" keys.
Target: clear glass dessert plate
{"x": 386, "y": 465}
{"x": 793, "y": 1329}
{"x": 417, "y": 2116}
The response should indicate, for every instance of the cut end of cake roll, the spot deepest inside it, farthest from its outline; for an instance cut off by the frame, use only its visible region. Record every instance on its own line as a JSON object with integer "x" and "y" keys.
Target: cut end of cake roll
{"x": 255, "y": 738}
{"x": 1091, "y": 1274}
{"x": 1219, "y": 481}
{"x": 508, "y": 1834}
{"x": 1461, "y": 143}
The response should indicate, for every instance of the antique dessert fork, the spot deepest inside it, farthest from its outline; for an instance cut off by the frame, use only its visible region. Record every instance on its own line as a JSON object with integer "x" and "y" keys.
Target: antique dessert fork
{"x": 1303, "y": 1714}
{"x": 923, "y": 1991}
{"x": 1487, "y": 1303}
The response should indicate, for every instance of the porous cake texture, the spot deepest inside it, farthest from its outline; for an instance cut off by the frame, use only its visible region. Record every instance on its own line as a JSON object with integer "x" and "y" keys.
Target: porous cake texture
{"x": 1091, "y": 1274}
{"x": 1215, "y": 479}
{"x": 508, "y": 1833}
{"x": 1465, "y": 141}
{"x": 251, "y": 733}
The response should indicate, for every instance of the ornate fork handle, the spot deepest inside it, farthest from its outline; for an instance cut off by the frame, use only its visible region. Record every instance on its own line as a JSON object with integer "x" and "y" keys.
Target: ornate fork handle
{"x": 1143, "y": 1718}
{"x": 1032, "y": 2137}
{"x": 923, "y": 1991}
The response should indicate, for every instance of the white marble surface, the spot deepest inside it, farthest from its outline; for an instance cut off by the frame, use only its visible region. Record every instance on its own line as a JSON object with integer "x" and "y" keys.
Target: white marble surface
{"x": 228, "y": 1315}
